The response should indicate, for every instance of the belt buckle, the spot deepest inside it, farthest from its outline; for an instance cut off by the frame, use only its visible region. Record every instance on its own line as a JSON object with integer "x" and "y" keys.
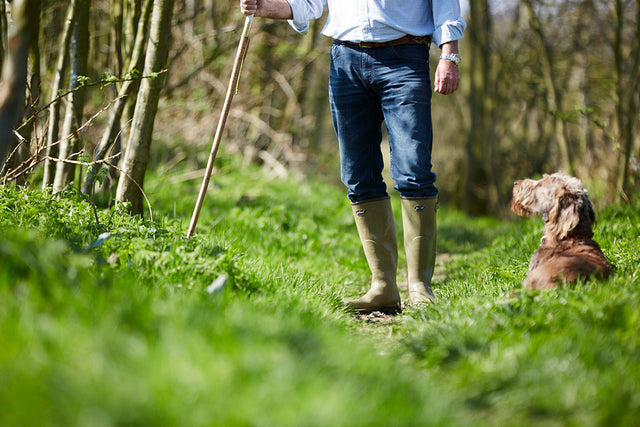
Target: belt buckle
{"x": 365, "y": 45}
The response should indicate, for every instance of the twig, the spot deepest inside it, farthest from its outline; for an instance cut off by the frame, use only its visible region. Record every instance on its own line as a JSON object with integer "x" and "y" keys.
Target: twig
{"x": 95, "y": 211}
{"x": 81, "y": 163}
{"x": 15, "y": 149}
{"x": 105, "y": 82}
{"x": 13, "y": 173}
{"x": 89, "y": 121}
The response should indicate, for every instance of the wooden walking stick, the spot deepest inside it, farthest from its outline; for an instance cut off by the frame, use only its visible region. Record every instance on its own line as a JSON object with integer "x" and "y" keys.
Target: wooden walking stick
{"x": 231, "y": 90}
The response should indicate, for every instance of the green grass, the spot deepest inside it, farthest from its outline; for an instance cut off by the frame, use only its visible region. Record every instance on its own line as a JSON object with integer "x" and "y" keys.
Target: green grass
{"x": 127, "y": 329}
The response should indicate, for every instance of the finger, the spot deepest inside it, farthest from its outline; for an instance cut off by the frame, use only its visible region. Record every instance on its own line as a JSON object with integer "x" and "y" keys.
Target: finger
{"x": 453, "y": 86}
{"x": 442, "y": 89}
{"x": 447, "y": 85}
{"x": 248, "y": 7}
{"x": 441, "y": 86}
{"x": 438, "y": 83}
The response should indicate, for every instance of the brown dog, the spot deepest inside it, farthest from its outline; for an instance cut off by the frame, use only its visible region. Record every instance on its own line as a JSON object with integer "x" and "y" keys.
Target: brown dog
{"x": 567, "y": 251}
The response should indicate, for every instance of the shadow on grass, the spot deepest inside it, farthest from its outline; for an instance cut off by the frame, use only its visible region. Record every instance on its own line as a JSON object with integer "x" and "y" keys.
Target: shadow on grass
{"x": 468, "y": 236}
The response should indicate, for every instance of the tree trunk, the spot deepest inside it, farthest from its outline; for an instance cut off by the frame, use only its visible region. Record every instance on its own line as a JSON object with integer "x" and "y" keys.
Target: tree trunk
{"x": 136, "y": 156}
{"x": 73, "y": 117}
{"x": 627, "y": 76}
{"x": 14, "y": 72}
{"x": 22, "y": 152}
{"x": 480, "y": 194}
{"x": 52, "y": 149}
{"x": 3, "y": 32}
{"x": 113, "y": 128}
{"x": 131, "y": 18}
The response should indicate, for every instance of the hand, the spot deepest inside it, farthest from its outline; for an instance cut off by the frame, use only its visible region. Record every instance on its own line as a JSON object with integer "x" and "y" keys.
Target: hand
{"x": 447, "y": 77}
{"x": 249, "y": 7}
{"x": 274, "y": 9}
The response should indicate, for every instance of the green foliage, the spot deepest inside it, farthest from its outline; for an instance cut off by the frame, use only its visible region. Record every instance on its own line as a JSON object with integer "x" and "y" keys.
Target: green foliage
{"x": 565, "y": 356}
{"x": 83, "y": 80}
{"x": 109, "y": 319}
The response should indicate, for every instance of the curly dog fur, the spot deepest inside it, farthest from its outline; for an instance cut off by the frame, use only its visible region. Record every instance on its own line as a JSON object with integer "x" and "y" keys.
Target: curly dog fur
{"x": 568, "y": 251}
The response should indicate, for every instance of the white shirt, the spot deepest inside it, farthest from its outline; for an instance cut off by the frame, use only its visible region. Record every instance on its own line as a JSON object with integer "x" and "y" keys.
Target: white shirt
{"x": 381, "y": 20}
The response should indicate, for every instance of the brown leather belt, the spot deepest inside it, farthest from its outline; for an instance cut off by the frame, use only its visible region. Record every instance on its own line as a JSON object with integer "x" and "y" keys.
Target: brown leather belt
{"x": 408, "y": 39}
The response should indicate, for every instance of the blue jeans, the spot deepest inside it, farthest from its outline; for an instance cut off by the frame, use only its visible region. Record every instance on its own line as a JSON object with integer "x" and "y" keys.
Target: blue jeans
{"x": 391, "y": 84}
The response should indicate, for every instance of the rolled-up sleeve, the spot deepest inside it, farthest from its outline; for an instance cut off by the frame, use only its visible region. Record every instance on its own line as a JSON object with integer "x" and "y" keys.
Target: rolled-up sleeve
{"x": 447, "y": 21}
{"x": 305, "y": 11}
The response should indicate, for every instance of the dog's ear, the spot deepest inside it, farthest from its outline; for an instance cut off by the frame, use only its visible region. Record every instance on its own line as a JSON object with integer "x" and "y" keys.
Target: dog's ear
{"x": 591, "y": 214}
{"x": 587, "y": 213}
{"x": 568, "y": 215}
{"x": 563, "y": 214}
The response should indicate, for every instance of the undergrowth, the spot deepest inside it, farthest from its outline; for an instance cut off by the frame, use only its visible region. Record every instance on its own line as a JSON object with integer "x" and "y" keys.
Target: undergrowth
{"x": 109, "y": 319}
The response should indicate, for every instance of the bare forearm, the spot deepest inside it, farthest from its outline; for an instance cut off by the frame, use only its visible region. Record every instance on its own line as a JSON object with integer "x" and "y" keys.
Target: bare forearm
{"x": 274, "y": 9}
{"x": 450, "y": 47}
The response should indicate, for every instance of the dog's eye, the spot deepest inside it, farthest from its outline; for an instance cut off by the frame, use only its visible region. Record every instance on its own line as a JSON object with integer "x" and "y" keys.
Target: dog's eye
{"x": 515, "y": 183}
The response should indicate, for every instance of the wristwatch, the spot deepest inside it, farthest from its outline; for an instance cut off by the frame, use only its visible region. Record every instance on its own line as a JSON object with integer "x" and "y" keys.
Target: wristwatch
{"x": 453, "y": 57}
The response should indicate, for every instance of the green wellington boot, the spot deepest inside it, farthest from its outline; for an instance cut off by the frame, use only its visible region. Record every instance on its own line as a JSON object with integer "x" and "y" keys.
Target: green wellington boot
{"x": 377, "y": 232}
{"x": 419, "y": 227}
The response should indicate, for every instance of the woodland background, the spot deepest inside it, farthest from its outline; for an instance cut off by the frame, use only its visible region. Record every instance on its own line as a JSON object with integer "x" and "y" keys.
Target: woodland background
{"x": 115, "y": 319}
{"x": 114, "y": 87}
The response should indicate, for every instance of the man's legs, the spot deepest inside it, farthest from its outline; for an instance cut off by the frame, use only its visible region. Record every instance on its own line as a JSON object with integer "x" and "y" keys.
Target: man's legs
{"x": 357, "y": 119}
{"x": 407, "y": 114}
{"x": 365, "y": 86}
